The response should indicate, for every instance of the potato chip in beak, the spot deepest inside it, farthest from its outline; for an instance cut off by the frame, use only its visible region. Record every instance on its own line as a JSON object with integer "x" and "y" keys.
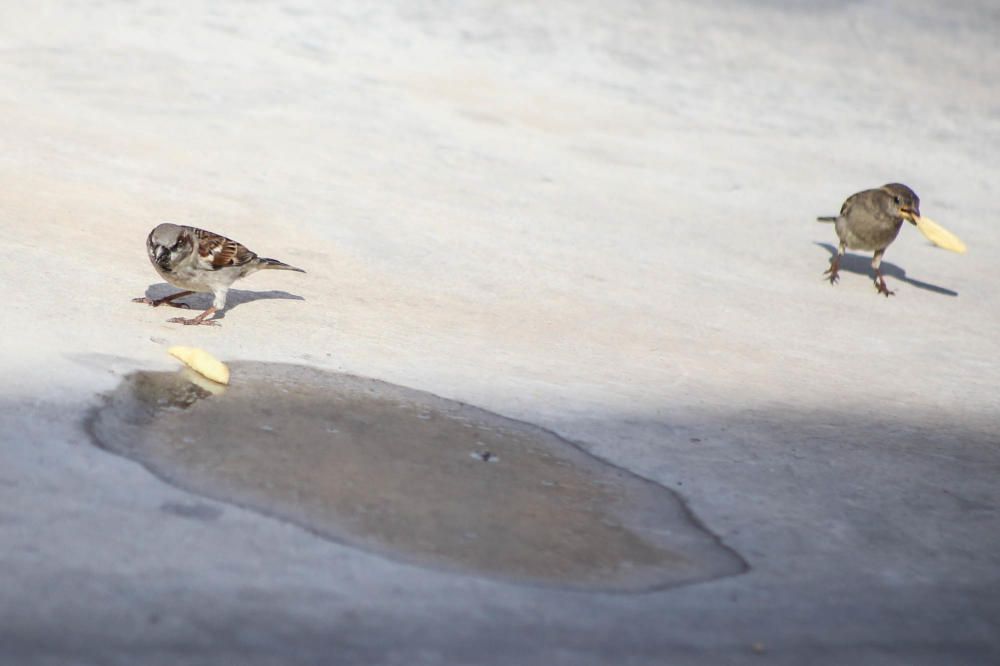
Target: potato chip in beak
{"x": 938, "y": 235}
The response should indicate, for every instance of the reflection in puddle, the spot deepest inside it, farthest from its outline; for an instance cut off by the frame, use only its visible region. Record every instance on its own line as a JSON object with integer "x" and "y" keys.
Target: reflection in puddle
{"x": 412, "y": 476}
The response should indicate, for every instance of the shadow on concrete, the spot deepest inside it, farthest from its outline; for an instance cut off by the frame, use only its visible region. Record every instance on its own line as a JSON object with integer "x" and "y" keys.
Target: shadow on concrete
{"x": 411, "y": 476}
{"x": 199, "y": 302}
{"x": 861, "y": 265}
{"x": 871, "y": 531}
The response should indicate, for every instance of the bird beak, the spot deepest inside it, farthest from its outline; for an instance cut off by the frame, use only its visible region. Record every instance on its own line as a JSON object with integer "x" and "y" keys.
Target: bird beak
{"x": 910, "y": 214}
{"x": 159, "y": 253}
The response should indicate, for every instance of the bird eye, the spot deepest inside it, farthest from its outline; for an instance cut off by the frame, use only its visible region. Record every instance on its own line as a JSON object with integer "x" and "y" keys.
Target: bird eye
{"x": 897, "y": 200}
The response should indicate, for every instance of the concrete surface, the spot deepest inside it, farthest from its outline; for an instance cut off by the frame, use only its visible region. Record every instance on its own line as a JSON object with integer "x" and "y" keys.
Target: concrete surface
{"x": 410, "y": 475}
{"x": 592, "y": 216}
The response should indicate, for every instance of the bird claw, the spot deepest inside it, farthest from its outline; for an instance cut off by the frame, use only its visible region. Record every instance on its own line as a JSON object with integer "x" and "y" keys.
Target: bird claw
{"x": 880, "y": 285}
{"x": 193, "y": 322}
{"x": 882, "y": 288}
{"x": 833, "y": 272}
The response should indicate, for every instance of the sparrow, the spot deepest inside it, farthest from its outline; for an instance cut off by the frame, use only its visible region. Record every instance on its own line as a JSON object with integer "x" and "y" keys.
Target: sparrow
{"x": 196, "y": 260}
{"x": 870, "y": 220}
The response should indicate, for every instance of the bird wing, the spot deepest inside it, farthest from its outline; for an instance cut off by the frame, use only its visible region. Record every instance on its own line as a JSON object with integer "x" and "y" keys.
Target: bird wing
{"x": 215, "y": 251}
{"x": 867, "y": 201}
{"x": 845, "y": 210}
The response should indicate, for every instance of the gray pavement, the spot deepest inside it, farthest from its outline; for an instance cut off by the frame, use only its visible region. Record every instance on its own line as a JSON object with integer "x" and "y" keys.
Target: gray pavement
{"x": 593, "y": 217}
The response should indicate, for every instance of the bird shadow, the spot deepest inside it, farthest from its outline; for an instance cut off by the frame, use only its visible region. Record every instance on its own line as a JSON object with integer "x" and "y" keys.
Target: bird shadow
{"x": 235, "y": 297}
{"x": 859, "y": 265}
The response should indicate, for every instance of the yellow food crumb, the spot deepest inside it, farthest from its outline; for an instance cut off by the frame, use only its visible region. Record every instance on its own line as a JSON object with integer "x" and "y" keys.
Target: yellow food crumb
{"x": 940, "y": 236}
{"x": 202, "y": 362}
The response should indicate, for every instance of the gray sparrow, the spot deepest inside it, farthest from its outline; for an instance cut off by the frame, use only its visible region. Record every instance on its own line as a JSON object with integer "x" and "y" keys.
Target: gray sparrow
{"x": 196, "y": 260}
{"x": 870, "y": 220}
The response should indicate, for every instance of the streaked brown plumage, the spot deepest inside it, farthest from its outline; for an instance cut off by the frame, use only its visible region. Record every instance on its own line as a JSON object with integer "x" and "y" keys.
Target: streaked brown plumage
{"x": 196, "y": 260}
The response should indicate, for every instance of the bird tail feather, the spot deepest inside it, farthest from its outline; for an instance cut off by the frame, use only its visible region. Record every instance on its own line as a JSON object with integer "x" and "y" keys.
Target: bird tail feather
{"x": 827, "y": 218}
{"x": 277, "y": 265}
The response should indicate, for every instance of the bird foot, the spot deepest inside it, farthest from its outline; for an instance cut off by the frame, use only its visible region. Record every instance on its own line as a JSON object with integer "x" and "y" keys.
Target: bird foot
{"x": 833, "y": 272}
{"x": 161, "y": 301}
{"x": 882, "y": 288}
{"x": 194, "y": 321}
{"x": 203, "y": 319}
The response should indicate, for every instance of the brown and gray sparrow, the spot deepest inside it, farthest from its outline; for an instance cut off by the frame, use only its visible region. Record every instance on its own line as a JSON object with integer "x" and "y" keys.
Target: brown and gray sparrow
{"x": 870, "y": 220}
{"x": 196, "y": 260}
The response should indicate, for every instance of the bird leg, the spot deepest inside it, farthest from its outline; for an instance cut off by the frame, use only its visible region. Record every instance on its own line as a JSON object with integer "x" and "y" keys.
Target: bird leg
{"x": 879, "y": 280}
{"x": 166, "y": 299}
{"x": 834, "y": 268}
{"x": 200, "y": 319}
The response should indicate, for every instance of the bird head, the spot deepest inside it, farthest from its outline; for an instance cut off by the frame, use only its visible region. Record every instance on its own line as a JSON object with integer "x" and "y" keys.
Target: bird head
{"x": 168, "y": 244}
{"x": 902, "y": 201}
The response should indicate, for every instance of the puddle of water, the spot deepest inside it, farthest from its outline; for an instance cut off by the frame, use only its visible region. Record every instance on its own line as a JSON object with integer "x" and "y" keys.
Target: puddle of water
{"x": 412, "y": 476}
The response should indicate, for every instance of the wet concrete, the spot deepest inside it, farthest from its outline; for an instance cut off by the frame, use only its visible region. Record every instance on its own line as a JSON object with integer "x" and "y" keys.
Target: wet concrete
{"x": 410, "y": 475}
